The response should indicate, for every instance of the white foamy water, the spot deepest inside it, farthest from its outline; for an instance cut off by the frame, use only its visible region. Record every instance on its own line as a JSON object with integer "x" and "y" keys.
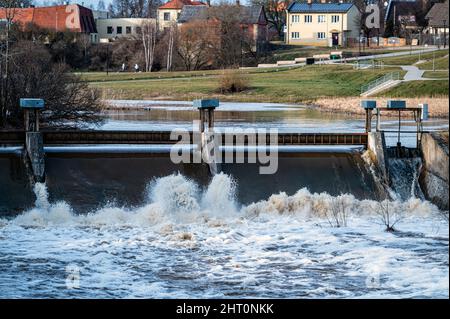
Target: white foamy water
{"x": 189, "y": 242}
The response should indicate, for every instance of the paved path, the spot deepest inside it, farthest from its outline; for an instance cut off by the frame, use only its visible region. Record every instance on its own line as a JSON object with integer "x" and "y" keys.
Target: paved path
{"x": 413, "y": 73}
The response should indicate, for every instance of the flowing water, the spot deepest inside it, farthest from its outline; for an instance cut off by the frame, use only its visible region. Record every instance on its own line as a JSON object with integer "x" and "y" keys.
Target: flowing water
{"x": 188, "y": 241}
{"x": 138, "y": 226}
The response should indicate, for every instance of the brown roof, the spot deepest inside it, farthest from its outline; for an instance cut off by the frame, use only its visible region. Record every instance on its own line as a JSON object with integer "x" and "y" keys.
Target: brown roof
{"x": 73, "y": 18}
{"x": 179, "y": 4}
{"x": 438, "y": 15}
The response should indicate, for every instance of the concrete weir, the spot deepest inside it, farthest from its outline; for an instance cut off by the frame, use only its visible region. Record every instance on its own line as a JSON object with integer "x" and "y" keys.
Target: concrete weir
{"x": 434, "y": 176}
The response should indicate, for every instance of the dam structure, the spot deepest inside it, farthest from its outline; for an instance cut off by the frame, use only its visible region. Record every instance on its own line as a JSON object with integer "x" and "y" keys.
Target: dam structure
{"x": 85, "y": 155}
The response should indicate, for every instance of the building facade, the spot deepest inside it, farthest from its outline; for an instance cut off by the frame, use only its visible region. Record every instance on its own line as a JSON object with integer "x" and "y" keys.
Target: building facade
{"x": 169, "y": 13}
{"x": 112, "y": 29}
{"x": 72, "y": 18}
{"x": 253, "y": 21}
{"x": 321, "y": 24}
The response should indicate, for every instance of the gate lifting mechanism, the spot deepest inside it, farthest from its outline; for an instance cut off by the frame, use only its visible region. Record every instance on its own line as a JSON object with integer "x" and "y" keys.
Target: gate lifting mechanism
{"x": 420, "y": 114}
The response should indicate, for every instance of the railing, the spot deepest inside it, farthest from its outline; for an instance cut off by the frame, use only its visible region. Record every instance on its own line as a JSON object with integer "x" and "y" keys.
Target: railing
{"x": 368, "y": 65}
{"x": 393, "y": 76}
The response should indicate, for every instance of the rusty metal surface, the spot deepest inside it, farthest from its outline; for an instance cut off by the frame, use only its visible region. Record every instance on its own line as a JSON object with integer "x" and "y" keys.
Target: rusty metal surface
{"x": 163, "y": 137}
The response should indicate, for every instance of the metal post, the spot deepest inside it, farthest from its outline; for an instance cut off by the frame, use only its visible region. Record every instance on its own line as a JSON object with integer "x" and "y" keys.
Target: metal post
{"x": 202, "y": 121}
{"x": 210, "y": 119}
{"x": 26, "y": 120}
{"x": 399, "y": 144}
{"x": 378, "y": 120}
{"x": 36, "y": 118}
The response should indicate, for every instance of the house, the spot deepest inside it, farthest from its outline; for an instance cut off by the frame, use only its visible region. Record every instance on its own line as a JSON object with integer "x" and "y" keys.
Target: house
{"x": 112, "y": 29}
{"x": 321, "y": 24}
{"x": 168, "y": 13}
{"x": 403, "y": 17}
{"x": 252, "y": 19}
{"x": 73, "y": 18}
{"x": 438, "y": 19}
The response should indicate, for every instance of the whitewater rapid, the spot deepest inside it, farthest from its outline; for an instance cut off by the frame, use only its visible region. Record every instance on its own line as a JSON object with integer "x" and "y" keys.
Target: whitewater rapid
{"x": 194, "y": 242}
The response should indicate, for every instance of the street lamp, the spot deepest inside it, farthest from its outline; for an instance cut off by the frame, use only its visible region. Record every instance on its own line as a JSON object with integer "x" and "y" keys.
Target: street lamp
{"x": 445, "y": 33}
{"x": 106, "y": 41}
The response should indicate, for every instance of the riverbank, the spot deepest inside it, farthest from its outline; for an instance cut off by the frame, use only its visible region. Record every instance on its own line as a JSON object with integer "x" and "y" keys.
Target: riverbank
{"x": 437, "y": 107}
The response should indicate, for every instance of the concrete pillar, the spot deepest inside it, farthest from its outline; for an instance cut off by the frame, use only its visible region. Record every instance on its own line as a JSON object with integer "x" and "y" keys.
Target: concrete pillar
{"x": 377, "y": 146}
{"x": 35, "y": 153}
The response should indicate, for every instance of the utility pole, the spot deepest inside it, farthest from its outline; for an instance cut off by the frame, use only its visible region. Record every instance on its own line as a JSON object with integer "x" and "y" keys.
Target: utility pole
{"x": 433, "y": 60}
{"x": 445, "y": 34}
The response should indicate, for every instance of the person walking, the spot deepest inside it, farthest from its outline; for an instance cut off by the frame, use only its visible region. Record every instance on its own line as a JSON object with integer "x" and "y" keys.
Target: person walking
{"x": 123, "y": 67}
{"x": 136, "y": 68}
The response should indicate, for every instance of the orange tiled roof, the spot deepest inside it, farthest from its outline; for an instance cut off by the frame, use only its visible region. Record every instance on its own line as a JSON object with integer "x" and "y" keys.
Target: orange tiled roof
{"x": 179, "y": 4}
{"x": 74, "y": 18}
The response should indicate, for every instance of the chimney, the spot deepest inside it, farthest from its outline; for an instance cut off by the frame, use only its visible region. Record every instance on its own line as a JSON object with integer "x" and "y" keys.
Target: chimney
{"x": 238, "y": 3}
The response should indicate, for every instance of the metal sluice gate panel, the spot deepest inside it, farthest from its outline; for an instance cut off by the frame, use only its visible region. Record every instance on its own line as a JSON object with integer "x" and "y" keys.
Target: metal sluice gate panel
{"x": 163, "y": 137}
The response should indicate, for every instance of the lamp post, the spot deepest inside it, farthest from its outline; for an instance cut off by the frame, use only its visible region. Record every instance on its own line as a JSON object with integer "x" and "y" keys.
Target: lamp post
{"x": 106, "y": 41}
{"x": 445, "y": 33}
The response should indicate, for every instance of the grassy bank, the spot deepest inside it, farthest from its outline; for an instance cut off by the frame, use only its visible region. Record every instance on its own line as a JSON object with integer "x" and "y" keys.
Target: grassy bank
{"x": 419, "y": 89}
{"x": 438, "y": 107}
{"x": 414, "y": 58}
{"x": 297, "y": 85}
{"x": 290, "y": 52}
{"x": 436, "y": 74}
{"x": 439, "y": 64}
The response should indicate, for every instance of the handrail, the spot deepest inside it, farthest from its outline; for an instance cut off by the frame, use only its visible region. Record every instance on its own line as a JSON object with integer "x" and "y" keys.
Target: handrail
{"x": 393, "y": 76}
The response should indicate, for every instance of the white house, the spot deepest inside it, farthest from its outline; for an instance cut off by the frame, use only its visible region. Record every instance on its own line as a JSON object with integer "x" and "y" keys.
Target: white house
{"x": 321, "y": 24}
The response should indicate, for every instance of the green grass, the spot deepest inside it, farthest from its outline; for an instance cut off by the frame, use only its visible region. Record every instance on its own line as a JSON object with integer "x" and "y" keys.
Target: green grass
{"x": 436, "y": 74}
{"x": 290, "y": 52}
{"x": 419, "y": 89}
{"x": 290, "y": 86}
{"x": 131, "y": 76}
{"x": 439, "y": 64}
{"x": 413, "y": 58}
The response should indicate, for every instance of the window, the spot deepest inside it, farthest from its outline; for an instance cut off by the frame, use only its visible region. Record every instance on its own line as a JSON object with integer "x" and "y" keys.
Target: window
{"x": 119, "y": 30}
{"x": 138, "y": 30}
{"x": 128, "y": 30}
{"x": 166, "y": 16}
{"x": 334, "y": 19}
{"x": 295, "y": 19}
{"x": 321, "y": 18}
{"x": 110, "y": 30}
{"x": 295, "y": 35}
{"x": 321, "y": 35}
{"x": 308, "y": 19}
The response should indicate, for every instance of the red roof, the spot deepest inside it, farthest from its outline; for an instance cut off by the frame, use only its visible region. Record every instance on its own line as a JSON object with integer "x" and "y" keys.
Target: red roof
{"x": 179, "y": 4}
{"x": 73, "y": 18}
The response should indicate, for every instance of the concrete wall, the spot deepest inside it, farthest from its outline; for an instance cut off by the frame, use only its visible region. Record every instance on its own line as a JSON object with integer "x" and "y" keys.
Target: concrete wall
{"x": 376, "y": 144}
{"x": 434, "y": 176}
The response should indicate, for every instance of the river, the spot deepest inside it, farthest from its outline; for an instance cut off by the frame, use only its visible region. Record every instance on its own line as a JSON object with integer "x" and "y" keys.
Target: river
{"x": 138, "y": 226}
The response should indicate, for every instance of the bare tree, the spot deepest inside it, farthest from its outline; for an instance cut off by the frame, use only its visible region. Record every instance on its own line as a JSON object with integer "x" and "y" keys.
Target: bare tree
{"x": 9, "y": 8}
{"x": 149, "y": 34}
{"x": 275, "y": 12}
{"x": 170, "y": 46}
{"x": 196, "y": 42}
{"x": 337, "y": 214}
{"x": 69, "y": 100}
{"x": 387, "y": 216}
